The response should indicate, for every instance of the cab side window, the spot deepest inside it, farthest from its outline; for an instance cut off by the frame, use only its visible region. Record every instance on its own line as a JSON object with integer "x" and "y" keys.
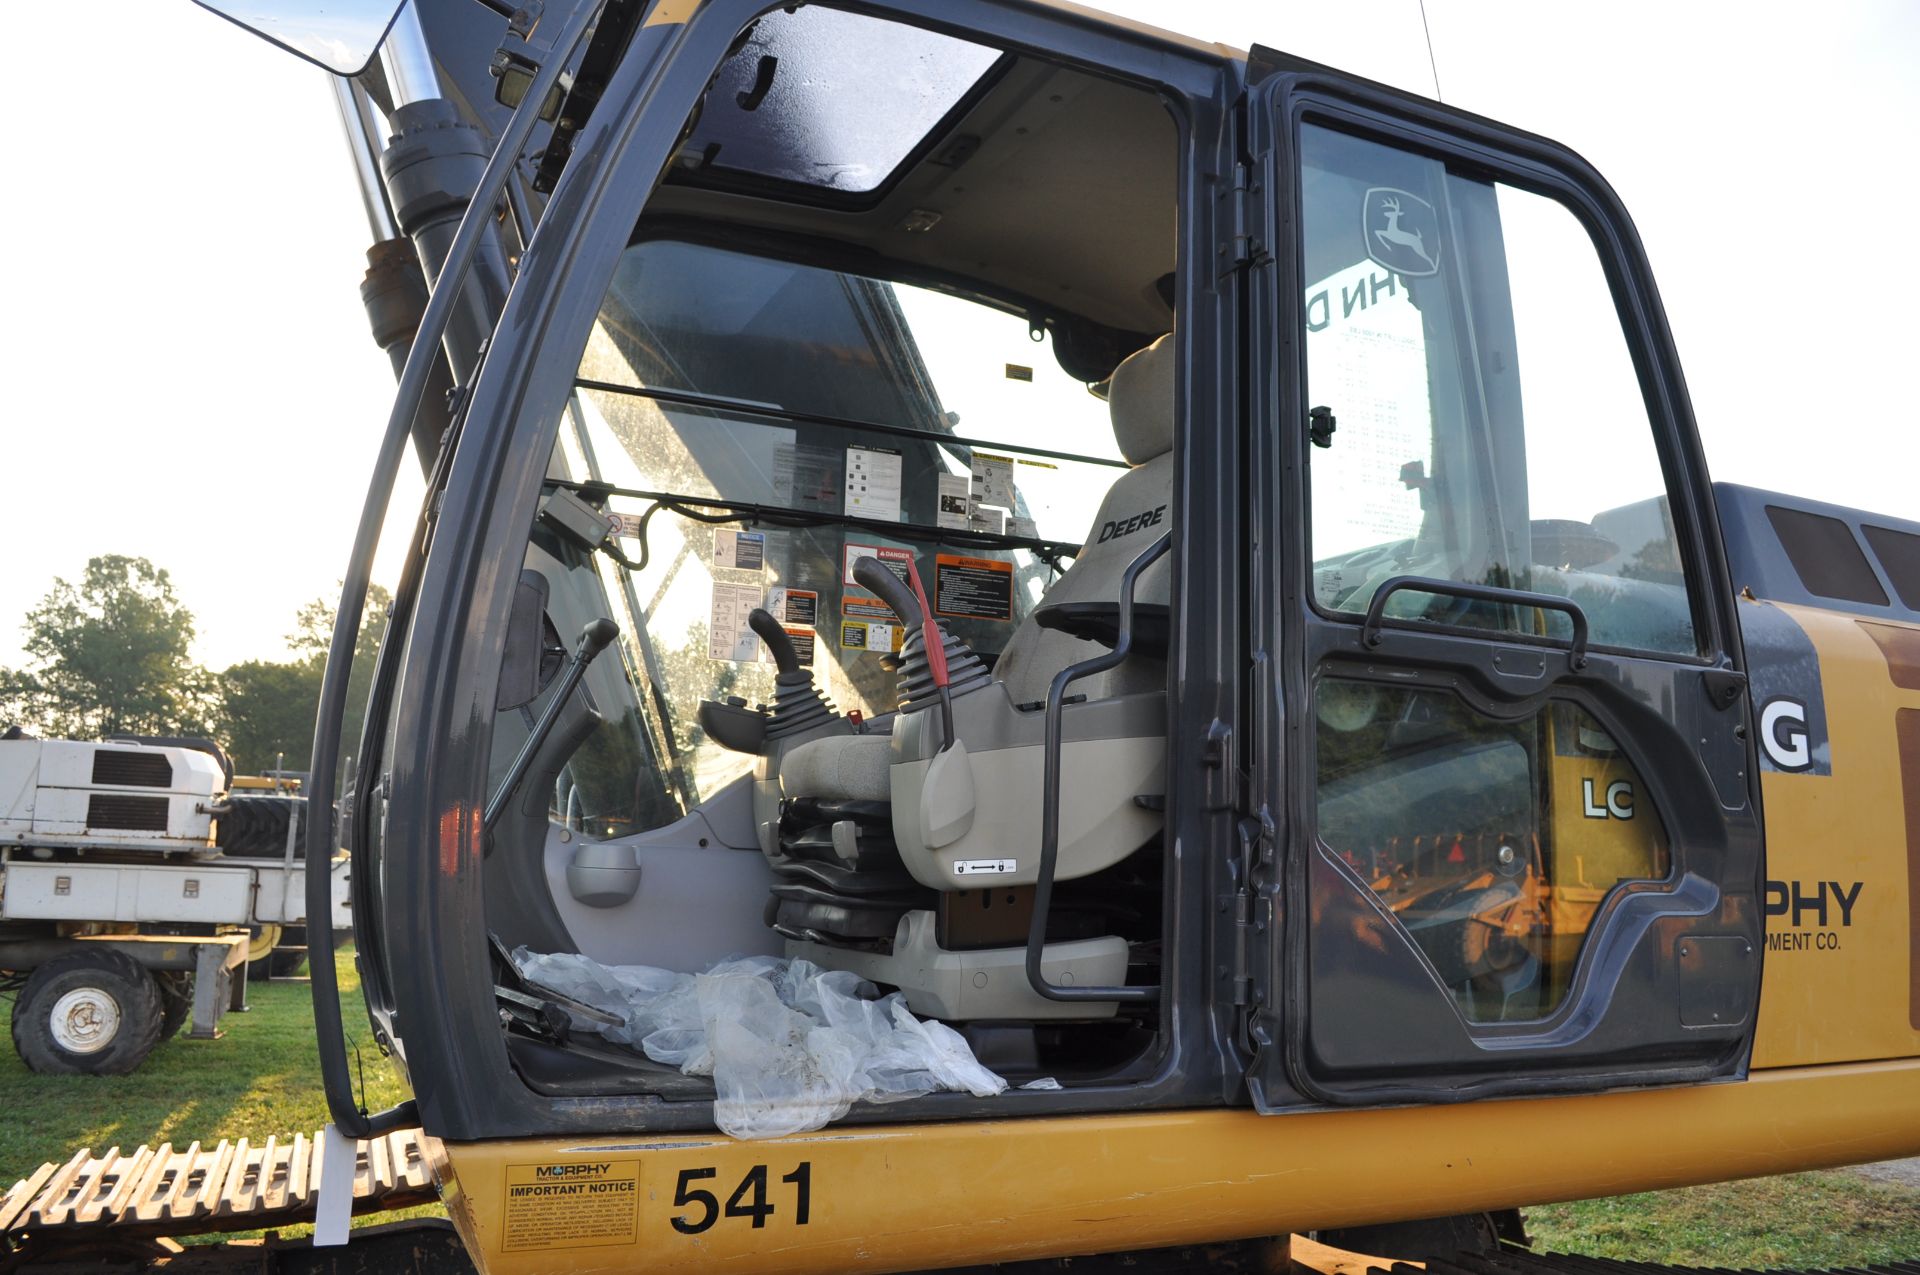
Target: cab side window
{"x": 1490, "y": 423}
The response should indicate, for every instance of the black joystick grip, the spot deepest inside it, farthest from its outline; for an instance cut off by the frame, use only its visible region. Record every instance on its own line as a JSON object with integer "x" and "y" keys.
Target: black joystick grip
{"x": 785, "y": 658}
{"x": 870, "y": 574}
{"x": 594, "y": 638}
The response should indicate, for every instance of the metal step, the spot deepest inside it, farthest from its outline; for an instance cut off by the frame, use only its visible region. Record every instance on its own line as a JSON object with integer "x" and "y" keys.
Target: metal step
{"x": 234, "y": 1186}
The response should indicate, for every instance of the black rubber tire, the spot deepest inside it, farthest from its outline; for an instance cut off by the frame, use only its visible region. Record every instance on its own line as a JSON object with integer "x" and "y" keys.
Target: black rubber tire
{"x": 176, "y": 1001}
{"x": 134, "y": 992}
{"x": 256, "y": 827}
{"x": 285, "y": 964}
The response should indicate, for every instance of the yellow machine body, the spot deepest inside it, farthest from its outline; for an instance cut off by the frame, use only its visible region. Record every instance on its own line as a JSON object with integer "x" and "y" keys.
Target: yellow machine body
{"x": 911, "y": 1197}
{"x": 1835, "y": 1080}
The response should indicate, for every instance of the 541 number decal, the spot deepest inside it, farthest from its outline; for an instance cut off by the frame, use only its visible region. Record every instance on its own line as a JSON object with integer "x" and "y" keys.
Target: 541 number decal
{"x": 751, "y": 1199}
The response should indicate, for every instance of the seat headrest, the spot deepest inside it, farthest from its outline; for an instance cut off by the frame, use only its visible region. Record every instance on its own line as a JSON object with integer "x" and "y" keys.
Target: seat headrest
{"x": 1140, "y": 400}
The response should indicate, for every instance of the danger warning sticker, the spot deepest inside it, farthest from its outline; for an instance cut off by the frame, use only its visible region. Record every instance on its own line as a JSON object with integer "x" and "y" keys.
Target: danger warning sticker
{"x": 972, "y": 588}
{"x": 571, "y": 1205}
{"x": 892, "y": 557}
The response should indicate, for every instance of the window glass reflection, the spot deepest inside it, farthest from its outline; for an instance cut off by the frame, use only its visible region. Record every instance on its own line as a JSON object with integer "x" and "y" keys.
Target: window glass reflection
{"x": 1492, "y": 842}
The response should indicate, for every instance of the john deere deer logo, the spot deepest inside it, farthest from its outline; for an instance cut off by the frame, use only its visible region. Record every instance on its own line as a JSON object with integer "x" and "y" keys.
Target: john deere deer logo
{"x": 1402, "y": 232}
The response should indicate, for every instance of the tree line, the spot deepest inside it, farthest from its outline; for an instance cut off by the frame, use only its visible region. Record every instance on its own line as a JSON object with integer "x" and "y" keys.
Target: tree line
{"x": 110, "y": 654}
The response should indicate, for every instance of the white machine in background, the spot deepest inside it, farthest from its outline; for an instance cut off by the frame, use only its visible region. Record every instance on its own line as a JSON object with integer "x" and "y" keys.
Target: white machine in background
{"x": 56, "y": 792}
{"x": 125, "y": 904}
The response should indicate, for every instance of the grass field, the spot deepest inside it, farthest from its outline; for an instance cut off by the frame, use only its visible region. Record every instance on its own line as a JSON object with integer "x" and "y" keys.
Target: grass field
{"x": 1808, "y": 1221}
{"x": 262, "y": 1077}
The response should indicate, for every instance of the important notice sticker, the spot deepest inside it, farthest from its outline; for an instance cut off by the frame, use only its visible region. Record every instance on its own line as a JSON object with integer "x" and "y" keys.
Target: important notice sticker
{"x": 802, "y": 646}
{"x": 972, "y": 588}
{"x": 873, "y": 483}
{"x": 571, "y": 1205}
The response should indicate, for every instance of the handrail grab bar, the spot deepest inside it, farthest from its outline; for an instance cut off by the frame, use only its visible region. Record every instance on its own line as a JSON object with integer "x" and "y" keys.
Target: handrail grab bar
{"x": 1050, "y": 796}
{"x": 1371, "y": 626}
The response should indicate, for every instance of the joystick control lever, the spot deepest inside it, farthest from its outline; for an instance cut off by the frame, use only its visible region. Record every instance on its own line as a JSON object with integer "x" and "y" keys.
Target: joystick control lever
{"x": 593, "y": 640}
{"x": 797, "y": 705}
{"x": 873, "y": 576}
{"x": 786, "y": 659}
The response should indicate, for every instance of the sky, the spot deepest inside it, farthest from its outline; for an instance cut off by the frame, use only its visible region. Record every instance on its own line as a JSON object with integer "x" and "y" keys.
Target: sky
{"x": 191, "y": 379}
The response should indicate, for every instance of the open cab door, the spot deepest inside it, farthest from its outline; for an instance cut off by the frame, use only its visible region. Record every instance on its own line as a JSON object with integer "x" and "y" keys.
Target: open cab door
{"x": 1516, "y": 843}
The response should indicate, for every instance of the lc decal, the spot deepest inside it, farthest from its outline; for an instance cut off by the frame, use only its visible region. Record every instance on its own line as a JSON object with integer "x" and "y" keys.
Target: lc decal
{"x": 1618, "y": 803}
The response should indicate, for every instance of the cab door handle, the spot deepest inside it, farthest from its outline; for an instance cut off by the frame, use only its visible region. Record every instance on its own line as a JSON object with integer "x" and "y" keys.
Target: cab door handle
{"x": 1370, "y": 628}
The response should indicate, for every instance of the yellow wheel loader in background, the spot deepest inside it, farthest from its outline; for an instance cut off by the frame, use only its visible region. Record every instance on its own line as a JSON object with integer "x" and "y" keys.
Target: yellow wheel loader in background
{"x": 1031, "y": 637}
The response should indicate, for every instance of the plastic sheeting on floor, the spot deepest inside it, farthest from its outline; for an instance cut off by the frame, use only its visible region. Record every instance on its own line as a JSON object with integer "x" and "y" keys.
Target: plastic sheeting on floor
{"x": 790, "y": 1046}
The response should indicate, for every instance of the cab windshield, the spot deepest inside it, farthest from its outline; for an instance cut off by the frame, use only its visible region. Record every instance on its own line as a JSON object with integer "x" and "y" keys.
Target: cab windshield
{"x": 752, "y": 425}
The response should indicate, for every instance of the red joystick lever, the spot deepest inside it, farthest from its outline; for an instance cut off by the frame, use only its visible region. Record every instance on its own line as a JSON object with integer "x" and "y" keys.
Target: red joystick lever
{"x": 904, "y": 598}
{"x": 931, "y": 638}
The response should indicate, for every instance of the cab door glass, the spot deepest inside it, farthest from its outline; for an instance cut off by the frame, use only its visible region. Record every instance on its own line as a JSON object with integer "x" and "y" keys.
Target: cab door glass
{"x": 1494, "y": 843}
{"x": 1488, "y": 421}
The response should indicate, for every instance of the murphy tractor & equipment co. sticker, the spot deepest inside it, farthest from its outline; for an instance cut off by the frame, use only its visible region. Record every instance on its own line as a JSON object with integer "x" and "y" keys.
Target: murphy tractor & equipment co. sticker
{"x": 571, "y": 1205}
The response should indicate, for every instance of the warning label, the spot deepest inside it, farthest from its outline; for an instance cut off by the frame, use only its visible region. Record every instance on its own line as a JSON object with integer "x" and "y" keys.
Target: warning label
{"x": 868, "y": 625}
{"x": 891, "y": 557}
{"x": 972, "y": 588}
{"x": 739, "y": 550}
{"x": 572, "y": 1205}
{"x": 802, "y": 645}
{"x": 728, "y": 636}
{"x": 800, "y": 607}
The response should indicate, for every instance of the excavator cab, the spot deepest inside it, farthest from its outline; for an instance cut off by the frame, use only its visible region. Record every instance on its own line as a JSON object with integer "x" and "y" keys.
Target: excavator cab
{"x": 1191, "y": 569}
{"x": 849, "y": 392}
{"x": 889, "y": 462}
{"x": 870, "y": 571}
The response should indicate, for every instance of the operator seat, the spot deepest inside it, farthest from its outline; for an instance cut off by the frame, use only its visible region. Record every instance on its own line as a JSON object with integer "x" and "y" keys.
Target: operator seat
{"x": 1137, "y": 508}
{"x": 861, "y": 855}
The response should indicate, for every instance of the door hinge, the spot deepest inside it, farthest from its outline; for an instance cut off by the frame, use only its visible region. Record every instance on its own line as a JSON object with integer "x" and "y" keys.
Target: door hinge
{"x": 1245, "y": 249}
{"x": 1216, "y": 755}
{"x": 1240, "y": 973}
{"x": 1248, "y": 911}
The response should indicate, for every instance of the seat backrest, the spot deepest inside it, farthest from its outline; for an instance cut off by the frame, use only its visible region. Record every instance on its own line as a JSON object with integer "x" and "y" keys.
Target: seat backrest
{"x": 1138, "y": 508}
